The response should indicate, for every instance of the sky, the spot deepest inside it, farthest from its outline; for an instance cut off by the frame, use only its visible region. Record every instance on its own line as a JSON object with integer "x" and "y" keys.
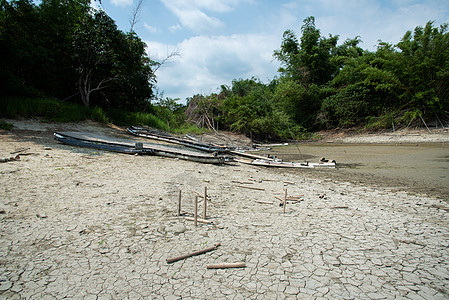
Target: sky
{"x": 218, "y": 41}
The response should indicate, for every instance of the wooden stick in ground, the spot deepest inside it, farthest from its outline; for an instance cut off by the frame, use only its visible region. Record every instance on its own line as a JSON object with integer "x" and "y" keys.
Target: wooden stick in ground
{"x": 173, "y": 259}
{"x": 205, "y": 203}
{"x": 179, "y": 203}
{"x": 195, "y": 214}
{"x": 226, "y": 265}
{"x": 285, "y": 200}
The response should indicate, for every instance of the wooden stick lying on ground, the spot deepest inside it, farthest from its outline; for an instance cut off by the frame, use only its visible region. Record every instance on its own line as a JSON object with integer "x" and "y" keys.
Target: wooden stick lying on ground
{"x": 226, "y": 265}
{"x": 264, "y": 202}
{"x": 20, "y": 150}
{"x": 251, "y": 187}
{"x": 173, "y": 259}
{"x": 199, "y": 220}
{"x": 17, "y": 157}
{"x": 289, "y": 199}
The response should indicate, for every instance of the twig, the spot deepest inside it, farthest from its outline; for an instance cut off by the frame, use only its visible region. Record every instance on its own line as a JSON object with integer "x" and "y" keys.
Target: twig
{"x": 173, "y": 259}
{"x": 226, "y": 265}
{"x": 20, "y": 150}
{"x": 264, "y": 202}
{"x": 199, "y": 220}
{"x": 251, "y": 188}
{"x": 425, "y": 124}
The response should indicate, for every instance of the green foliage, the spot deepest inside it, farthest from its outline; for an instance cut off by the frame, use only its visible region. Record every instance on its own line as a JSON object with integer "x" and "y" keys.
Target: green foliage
{"x": 188, "y": 128}
{"x": 5, "y": 125}
{"x": 98, "y": 114}
{"x": 384, "y": 121}
{"x": 301, "y": 104}
{"x": 67, "y": 50}
{"x": 125, "y": 118}
{"x": 46, "y": 108}
{"x": 53, "y": 110}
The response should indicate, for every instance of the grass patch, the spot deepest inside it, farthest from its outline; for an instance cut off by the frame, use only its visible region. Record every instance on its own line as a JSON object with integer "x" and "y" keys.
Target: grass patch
{"x": 5, "y": 125}
{"x": 189, "y": 128}
{"x": 54, "y": 110}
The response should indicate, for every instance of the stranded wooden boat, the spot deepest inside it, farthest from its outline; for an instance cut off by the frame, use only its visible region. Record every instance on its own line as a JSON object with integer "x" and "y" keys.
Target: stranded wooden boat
{"x": 249, "y": 158}
{"x": 104, "y": 143}
{"x": 286, "y": 164}
{"x": 150, "y": 134}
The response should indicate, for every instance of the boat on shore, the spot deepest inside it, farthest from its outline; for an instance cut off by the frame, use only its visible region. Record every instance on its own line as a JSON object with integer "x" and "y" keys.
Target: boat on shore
{"x": 151, "y": 134}
{"x": 90, "y": 140}
{"x": 286, "y": 164}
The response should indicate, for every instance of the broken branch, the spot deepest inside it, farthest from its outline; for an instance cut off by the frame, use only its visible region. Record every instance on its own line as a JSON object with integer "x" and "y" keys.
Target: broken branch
{"x": 173, "y": 259}
{"x": 226, "y": 265}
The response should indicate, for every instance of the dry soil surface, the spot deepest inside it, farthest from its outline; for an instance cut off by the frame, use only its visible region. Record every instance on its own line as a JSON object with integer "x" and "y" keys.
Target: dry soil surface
{"x": 85, "y": 224}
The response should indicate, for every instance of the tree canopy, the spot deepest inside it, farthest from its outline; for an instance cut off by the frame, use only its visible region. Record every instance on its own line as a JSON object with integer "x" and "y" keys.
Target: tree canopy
{"x": 324, "y": 84}
{"x": 67, "y": 50}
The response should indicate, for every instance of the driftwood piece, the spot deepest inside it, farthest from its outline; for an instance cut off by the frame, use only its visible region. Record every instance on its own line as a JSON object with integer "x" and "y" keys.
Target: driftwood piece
{"x": 13, "y": 158}
{"x": 289, "y": 182}
{"x": 340, "y": 207}
{"x": 198, "y": 252}
{"x": 264, "y": 202}
{"x": 289, "y": 199}
{"x": 199, "y": 220}
{"x": 243, "y": 182}
{"x": 251, "y": 187}
{"x": 20, "y": 150}
{"x": 226, "y": 265}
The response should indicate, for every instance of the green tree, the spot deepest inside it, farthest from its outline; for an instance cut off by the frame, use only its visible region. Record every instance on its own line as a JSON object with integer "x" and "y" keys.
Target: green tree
{"x": 308, "y": 61}
{"x": 423, "y": 68}
{"x": 107, "y": 58}
{"x": 20, "y": 49}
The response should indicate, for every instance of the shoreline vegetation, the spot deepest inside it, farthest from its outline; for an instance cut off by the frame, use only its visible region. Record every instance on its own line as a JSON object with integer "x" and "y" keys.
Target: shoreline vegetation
{"x": 87, "y": 68}
{"x": 52, "y": 110}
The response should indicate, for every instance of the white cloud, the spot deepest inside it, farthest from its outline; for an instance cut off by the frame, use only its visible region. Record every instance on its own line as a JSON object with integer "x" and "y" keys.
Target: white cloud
{"x": 122, "y": 3}
{"x": 174, "y": 28}
{"x": 208, "y": 61}
{"x": 205, "y": 63}
{"x": 191, "y": 13}
{"x": 151, "y": 28}
{"x": 192, "y": 16}
{"x": 371, "y": 20}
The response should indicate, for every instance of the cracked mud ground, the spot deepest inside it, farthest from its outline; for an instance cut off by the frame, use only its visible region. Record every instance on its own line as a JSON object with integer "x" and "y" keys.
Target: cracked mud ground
{"x": 85, "y": 224}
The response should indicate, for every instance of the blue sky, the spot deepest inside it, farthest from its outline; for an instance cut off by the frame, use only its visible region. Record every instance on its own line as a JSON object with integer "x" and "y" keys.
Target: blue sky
{"x": 222, "y": 40}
